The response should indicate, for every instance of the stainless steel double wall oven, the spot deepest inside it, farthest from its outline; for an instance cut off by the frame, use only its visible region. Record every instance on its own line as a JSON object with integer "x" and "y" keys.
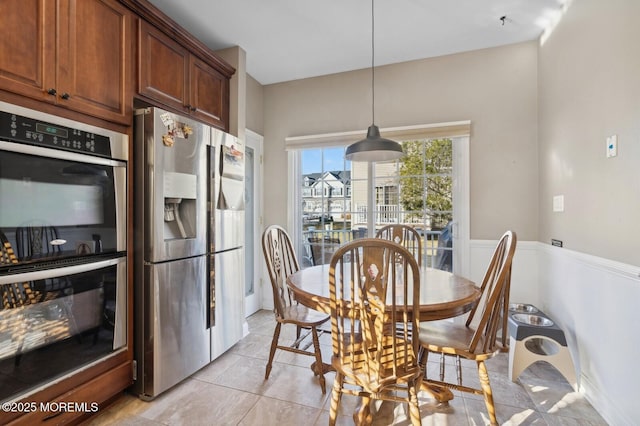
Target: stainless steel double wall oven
{"x": 63, "y": 248}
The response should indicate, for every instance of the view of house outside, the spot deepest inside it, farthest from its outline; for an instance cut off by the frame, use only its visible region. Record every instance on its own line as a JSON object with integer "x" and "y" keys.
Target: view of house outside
{"x": 416, "y": 191}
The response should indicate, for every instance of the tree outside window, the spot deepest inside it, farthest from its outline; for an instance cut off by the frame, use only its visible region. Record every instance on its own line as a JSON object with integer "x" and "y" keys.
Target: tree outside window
{"x": 426, "y": 181}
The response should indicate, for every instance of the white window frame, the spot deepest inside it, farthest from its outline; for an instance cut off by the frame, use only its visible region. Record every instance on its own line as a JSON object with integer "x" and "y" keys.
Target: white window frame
{"x": 458, "y": 132}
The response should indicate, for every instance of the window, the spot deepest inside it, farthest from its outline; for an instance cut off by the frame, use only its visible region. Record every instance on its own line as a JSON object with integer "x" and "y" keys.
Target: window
{"x": 427, "y": 189}
{"x": 387, "y": 194}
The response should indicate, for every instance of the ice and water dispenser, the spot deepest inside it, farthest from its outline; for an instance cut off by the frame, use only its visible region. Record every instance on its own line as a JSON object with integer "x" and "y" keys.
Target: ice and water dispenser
{"x": 180, "y": 195}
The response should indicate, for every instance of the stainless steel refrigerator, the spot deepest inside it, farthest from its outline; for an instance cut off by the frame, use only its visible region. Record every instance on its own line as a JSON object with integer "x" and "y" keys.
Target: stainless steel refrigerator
{"x": 226, "y": 233}
{"x": 172, "y": 339}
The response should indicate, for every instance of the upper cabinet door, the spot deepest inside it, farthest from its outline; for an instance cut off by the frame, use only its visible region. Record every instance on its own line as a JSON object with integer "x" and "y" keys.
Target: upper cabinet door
{"x": 163, "y": 68}
{"x": 74, "y": 53}
{"x": 95, "y": 58}
{"x": 27, "y": 43}
{"x": 208, "y": 89}
{"x": 170, "y": 74}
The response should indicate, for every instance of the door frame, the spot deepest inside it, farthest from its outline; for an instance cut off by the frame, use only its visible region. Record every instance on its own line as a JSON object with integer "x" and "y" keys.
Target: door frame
{"x": 254, "y": 302}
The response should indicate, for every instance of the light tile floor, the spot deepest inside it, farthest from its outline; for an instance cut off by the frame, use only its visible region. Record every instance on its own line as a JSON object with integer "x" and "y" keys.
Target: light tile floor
{"x": 232, "y": 391}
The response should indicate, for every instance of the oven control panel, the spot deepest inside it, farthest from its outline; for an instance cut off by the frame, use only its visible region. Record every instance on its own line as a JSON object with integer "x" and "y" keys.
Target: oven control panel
{"x": 22, "y": 129}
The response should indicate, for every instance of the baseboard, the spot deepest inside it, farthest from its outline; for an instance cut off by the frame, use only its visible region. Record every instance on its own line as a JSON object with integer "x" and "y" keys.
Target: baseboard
{"x": 603, "y": 404}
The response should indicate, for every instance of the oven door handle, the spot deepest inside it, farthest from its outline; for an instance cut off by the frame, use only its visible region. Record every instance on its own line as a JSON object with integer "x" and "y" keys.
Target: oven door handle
{"x": 58, "y": 272}
{"x": 59, "y": 154}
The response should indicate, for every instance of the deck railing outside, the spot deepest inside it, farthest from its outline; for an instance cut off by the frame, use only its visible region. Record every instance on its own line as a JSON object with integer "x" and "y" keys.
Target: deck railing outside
{"x": 386, "y": 214}
{"x": 319, "y": 244}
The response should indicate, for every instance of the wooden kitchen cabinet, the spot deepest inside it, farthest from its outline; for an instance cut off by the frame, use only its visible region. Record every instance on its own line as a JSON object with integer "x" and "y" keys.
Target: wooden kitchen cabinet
{"x": 170, "y": 74}
{"x": 76, "y": 54}
{"x": 27, "y": 40}
{"x": 209, "y": 94}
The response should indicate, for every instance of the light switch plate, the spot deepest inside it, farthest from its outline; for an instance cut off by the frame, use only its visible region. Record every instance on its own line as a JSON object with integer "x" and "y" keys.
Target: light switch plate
{"x": 612, "y": 146}
{"x": 558, "y": 203}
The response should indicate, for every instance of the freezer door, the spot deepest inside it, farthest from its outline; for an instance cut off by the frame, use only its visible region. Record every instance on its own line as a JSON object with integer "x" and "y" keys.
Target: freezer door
{"x": 230, "y": 169}
{"x": 227, "y": 157}
{"x": 176, "y": 339}
{"x": 229, "y": 301}
{"x": 174, "y": 184}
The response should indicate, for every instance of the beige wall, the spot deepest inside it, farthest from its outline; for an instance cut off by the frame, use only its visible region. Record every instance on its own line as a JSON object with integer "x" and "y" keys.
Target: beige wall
{"x": 589, "y": 89}
{"x": 255, "y": 105}
{"x": 246, "y": 95}
{"x": 494, "y": 88}
{"x": 237, "y": 58}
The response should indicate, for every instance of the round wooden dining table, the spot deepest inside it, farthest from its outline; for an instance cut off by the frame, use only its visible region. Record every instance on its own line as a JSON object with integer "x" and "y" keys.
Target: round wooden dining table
{"x": 442, "y": 295}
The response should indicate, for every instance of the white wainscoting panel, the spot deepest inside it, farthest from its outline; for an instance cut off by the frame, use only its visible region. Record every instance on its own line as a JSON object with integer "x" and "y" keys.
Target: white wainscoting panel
{"x": 524, "y": 271}
{"x": 596, "y": 302}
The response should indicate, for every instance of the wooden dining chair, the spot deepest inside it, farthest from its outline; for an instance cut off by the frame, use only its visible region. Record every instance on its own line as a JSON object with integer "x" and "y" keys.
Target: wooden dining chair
{"x": 14, "y": 295}
{"x": 475, "y": 342}
{"x": 374, "y": 289}
{"x": 406, "y": 236}
{"x": 322, "y": 249}
{"x": 36, "y": 240}
{"x": 281, "y": 262}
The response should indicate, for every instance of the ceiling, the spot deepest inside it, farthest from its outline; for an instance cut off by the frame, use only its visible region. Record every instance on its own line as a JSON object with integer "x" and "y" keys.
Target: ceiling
{"x": 292, "y": 39}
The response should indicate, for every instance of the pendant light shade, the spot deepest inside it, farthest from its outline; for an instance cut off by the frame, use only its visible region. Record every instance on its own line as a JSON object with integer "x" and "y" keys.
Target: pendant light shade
{"x": 374, "y": 147}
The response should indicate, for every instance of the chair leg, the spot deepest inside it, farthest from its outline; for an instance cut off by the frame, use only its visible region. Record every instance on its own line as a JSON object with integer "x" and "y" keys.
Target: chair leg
{"x": 298, "y": 332}
{"x": 336, "y": 395}
{"x": 414, "y": 406}
{"x": 274, "y": 345}
{"x": 423, "y": 357}
{"x": 486, "y": 390}
{"x": 319, "y": 370}
{"x": 362, "y": 416}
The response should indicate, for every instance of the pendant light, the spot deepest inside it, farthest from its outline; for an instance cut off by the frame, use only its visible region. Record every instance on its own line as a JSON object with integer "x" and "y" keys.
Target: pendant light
{"x": 374, "y": 147}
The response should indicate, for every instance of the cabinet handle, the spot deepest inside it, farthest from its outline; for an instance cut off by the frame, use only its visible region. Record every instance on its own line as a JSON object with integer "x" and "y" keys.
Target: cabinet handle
{"x": 190, "y": 107}
{"x": 52, "y": 92}
{"x": 193, "y": 109}
{"x": 65, "y": 96}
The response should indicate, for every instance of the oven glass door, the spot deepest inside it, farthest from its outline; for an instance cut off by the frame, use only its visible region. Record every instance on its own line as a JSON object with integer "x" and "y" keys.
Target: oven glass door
{"x": 55, "y": 321}
{"x": 52, "y": 208}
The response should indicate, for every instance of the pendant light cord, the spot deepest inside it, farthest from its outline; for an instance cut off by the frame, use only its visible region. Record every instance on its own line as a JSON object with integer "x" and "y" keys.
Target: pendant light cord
{"x": 373, "y": 147}
{"x": 373, "y": 74}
